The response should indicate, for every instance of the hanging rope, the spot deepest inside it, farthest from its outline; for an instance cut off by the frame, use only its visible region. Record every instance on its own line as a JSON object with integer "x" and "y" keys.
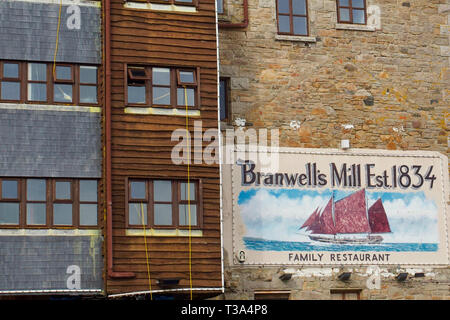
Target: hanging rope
{"x": 188, "y": 190}
{"x": 57, "y": 39}
{"x": 146, "y": 252}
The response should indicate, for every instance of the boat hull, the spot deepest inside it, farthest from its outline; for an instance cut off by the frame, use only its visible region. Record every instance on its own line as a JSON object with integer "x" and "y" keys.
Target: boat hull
{"x": 366, "y": 240}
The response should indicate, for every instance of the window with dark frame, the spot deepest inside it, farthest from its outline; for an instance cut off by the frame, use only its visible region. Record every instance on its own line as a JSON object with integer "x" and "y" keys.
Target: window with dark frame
{"x": 224, "y": 103}
{"x": 48, "y": 203}
{"x": 351, "y": 11}
{"x": 292, "y": 16}
{"x": 162, "y": 86}
{"x": 160, "y": 203}
{"x": 35, "y": 82}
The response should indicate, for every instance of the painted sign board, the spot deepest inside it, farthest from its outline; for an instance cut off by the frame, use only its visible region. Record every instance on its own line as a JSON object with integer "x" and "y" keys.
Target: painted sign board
{"x": 335, "y": 207}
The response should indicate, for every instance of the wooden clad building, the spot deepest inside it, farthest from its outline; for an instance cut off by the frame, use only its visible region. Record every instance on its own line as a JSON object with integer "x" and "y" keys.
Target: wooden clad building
{"x": 162, "y": 69}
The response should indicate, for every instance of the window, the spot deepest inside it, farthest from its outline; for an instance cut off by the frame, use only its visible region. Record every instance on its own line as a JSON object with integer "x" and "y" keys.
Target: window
{"x": 45, "y": 203}
{"x": 177, "y": 2}
{"x": 219, "y": 4}
{"x": 10, "y": 74}
{"x": 345, "y": 294}
{"x": 162, "y": 87}
{"x": 164, "y": 203}
{"x": 351, "y": 11}
{"x": 292, "y": 17}
{"x": 272, "y": 295}
{"x": 35, "y": 82}
{"x": 224, "y": 104}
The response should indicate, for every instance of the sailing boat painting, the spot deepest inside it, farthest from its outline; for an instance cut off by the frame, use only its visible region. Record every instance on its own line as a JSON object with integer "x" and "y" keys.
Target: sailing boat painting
{"x": 337, "y": 220}
{"x": 349, "y": 215}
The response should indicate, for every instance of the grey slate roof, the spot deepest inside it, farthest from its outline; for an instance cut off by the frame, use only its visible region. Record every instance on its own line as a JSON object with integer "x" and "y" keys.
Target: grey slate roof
{"x": 50, "y": 144}
{"x": 28, "y": 32}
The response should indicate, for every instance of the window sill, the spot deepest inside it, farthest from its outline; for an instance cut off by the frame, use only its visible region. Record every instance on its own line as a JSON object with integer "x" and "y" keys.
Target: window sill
{"x": 48, "y": 107}
{"x": 160, "y": 7}
{"x": 355, "y": 27}
{"x": 164, "y": 232}
{"x": 50, "y": 232}
{"x": 161, "y": 111}
{"x": 295, "y": 38}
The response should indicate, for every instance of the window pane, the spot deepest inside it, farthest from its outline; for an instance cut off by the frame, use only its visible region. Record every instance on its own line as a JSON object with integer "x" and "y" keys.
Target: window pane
{"x": 184, "y": 214}
{"x": 63, "y": 93}
{"x": 161, "y": 76}
{"x": 137, "y": 211}
{"x": 62, "y": 214}
{"x": 136, "y": 94}
{"x": 88, "y": 214}
{"x": 181, "y": 95}
{"x": 343, "y": 3}
{"x": 299, "y": 7}
{"x": 186, "y": 1}
{"x": 62, "y": 191}
{"x": 284, "y": 24}
{"x": 9, "y": 189}
{"x": 88, "y": 190}
{"x": 37, "y": 71}
{"x": 63, "y": 73}
{"x": 163, "y": 214}
{"x": 9, "y": 213}
{"x": 187, "y": 76}
{"x": 219, "y": 6}
{"x": 36, "y": 190}
{"x": 344, "y": 14}
{"x": 161, "y": 95}
{"x": 300, "y": 26}
{"x": 184, "y": 191}
{"x": 283, "y": 6}
{"x": 10, "y": 70}
{"x": 358, "y": 3}
{"x": 88, "y": 94}
{"x": 138, "y": 190}
{"x": 36, "y": 214}
{"x": 37, "y": 92}
{"x": 223, "y": 100}
{"x": 10, "y": 90}
{"x": 358, "y": 17}
{"x": 88, "y": 74}
{"x": 162, "y": 190}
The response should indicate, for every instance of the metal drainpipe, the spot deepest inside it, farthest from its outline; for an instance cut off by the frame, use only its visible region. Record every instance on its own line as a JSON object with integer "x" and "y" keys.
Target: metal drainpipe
{"x": 109, "y": 227}
{"x": 243, "y": 24}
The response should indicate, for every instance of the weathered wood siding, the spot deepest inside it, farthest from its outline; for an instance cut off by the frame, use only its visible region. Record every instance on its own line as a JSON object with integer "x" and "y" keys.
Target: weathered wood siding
{"x": 141, "y": 144}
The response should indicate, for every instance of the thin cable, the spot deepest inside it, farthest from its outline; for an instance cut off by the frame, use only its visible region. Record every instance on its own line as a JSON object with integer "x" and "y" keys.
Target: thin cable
{"x": 57, "y": 39}
{"x": 188, "y": 191}
{"x": 146, "y": 252}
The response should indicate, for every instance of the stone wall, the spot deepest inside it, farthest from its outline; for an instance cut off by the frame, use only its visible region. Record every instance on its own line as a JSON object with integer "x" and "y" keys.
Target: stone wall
{"x": 391, "y": 84}
{"x": 384, "y": 86}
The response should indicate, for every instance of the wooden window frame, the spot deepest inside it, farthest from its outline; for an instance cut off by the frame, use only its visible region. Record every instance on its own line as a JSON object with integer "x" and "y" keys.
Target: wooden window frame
{"x": 50, "y": 83}
{"x": 351, "y": 8}
{"x": 79, "y": 84}
{"x": 176, "y": 201}
{"x": 175, "y": 83}
{"x": 291, "y": 16}
{"x": 228, "y": 111}
{"x": 346, "y": 291}
{"x": 8, "y": 200}
{"x": 50, "y": 200}
{"x": 18, "y": 79}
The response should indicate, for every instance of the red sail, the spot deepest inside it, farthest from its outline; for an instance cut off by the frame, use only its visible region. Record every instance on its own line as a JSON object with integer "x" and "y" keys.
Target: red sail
{"x": 316, "y": 226}
{"x": 326, "y": 219}
{"x": 350, "y": 214}
{"x": 310, "y": 220}
{"x": 377, "y": 218}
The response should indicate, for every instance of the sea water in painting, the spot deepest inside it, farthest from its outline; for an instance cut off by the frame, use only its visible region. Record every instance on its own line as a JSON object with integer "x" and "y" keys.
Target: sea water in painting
{"x": 336, "y": 220}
